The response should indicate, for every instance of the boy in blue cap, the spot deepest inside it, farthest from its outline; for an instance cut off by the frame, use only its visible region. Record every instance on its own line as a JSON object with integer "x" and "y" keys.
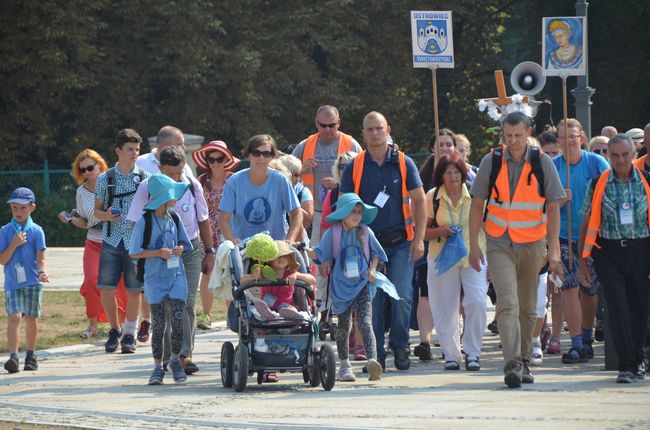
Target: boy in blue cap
{"x": 160, "y": 238}
{"x": 22, "y": 253}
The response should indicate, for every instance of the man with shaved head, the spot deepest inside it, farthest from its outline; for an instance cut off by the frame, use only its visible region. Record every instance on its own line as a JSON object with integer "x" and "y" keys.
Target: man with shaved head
{"x": 608, "y": 131}
{"x": 167, "y": 136}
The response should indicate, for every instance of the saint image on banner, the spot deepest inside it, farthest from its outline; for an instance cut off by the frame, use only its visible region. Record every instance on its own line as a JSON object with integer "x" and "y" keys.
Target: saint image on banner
{"x": 564, "y": 49}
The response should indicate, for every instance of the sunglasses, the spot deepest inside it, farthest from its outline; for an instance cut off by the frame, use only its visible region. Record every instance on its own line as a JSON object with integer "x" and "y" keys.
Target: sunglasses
{"x": 257, "y": 153}
{"x": 600, "y": 151}
{"x": 331, "y": 125}
{"x": 88, "y": 169}
{"x": 218, "y": 160}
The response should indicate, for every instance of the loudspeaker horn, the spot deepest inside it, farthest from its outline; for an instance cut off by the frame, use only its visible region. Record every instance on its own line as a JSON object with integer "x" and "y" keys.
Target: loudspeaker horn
{"x": 527, "y": 78}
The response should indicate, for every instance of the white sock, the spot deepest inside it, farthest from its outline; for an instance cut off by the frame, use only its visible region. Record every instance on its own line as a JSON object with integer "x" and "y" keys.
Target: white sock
{"x": 130, "y": 327}
{"x": 345, "y": 363}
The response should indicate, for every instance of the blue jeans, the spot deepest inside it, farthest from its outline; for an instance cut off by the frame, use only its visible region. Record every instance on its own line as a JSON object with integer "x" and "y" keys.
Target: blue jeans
{"x": 400, "y": 273}
{"x": 113, "y": 263}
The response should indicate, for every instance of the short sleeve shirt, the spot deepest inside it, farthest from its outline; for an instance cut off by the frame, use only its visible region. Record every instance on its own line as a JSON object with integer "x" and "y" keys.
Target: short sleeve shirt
{"x": 383, "y": 178}
{"x": 23, "y": 258}
{"x": 86, "y": 209}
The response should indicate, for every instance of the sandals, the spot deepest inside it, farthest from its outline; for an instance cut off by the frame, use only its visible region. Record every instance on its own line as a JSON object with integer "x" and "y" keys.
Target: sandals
{"x": 452, "y": 365}
{"x": 88, "y": 333}
{"x": 472, "y": 364}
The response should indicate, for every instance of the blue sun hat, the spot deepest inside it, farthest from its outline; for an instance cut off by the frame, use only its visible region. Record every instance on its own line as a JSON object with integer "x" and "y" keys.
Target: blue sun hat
{"x": 344, "y": 206}
{"x": 162, "y": 189}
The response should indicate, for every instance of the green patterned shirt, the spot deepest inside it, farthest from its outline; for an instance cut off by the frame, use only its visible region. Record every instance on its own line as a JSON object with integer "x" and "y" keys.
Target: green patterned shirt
{"x": 617, "y": 193}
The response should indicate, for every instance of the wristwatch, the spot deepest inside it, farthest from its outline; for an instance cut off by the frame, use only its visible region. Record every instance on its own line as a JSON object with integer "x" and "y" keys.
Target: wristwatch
{"x": 210, "y": 251}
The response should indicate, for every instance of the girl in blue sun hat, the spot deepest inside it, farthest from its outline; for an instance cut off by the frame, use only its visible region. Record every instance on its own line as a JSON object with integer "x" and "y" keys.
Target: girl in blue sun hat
{"x": 159, "y": 238}
{"x": 349, "y": 254}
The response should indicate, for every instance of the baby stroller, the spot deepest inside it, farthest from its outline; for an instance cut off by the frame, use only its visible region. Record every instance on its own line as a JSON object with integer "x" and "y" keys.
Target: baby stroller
{"x": 279, "y": 345}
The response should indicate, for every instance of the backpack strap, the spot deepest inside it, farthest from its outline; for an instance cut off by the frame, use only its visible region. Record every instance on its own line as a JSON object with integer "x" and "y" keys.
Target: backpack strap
{"x": 497, "y": 160}
{"x": 334, "y": 197}
{"x": 436, "y": 206}
{"x": 536, "y": 169}
{"x": 110, "y": 182}
{"x": 337, "y": 232}
{"x": 146, "y": 238}
{"x": 365, "y": 235}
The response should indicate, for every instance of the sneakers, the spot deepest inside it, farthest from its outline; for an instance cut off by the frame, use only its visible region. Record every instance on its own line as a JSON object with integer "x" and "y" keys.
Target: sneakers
{"x": 177, "y": 371}
{"x": 374, "y": 370}
{"x": 143, "y": 331}
{"x": 526, "y": 375}
{"x": 204, "y": 322}
{"x": 157, "y": 376}
{"x": 31, "y": 363}
{"x": 382, "y": 363}
{"x": 12, "y": 365}
{"x": 513, "y": 374}
{"x": 625, "y": 377}
{"x": 346, "y": 374}
{"x": 575, "y": 356}
{"x": 423, "y": 351}
{"x": 189, "y": 366}
{"x": 113, "y": 340}
{"x": 402, "y": 360}
{"x": 472, "y": 364}
{"x": 554, "y": 346}
{"x": 493, "y": 327}
{"x": 128, "y": 344}
{"x": 538, "y": 356}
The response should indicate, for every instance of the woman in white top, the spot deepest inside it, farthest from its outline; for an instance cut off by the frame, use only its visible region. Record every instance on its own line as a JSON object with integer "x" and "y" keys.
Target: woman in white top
{"x": 85, "y": 169}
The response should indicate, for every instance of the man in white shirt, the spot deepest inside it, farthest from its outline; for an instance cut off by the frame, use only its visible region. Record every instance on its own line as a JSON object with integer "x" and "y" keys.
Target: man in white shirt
{"x": 167, "y": 136}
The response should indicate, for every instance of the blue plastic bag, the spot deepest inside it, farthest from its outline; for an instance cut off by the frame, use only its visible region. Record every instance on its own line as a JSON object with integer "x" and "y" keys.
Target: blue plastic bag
{"x": 452, "y": 252}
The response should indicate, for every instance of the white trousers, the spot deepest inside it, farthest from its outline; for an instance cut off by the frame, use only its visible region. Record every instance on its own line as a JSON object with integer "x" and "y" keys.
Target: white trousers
{"x": 444, "y": 299}
{"x": 541, "y": 295}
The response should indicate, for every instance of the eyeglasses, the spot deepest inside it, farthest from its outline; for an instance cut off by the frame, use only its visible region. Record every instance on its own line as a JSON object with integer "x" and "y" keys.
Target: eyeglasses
{"x": 331, "y": 125}
{"x": 88, "y": 169}
{"x": 218, "y": 160}
{"x": 257, "y": 153}
{"x": 600, "y": 151}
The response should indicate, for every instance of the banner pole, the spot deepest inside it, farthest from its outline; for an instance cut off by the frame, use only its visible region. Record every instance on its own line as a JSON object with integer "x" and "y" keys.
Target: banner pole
{"x": 436, "y": 150}
{"x": 568, "y": 169}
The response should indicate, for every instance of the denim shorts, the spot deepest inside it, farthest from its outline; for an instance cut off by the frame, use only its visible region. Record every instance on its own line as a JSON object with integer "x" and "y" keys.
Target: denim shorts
{"x": 25, "y": 301}
{"x": 113, "y": 263}
{"x": 571, "y": 278}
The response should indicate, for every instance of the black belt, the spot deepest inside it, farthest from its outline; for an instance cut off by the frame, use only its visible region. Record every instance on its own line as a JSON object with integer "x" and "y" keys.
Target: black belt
{"x": 622, "y": 243}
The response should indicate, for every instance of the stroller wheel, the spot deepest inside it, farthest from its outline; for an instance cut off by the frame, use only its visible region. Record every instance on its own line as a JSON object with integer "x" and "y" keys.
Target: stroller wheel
{"x": 227, "y": 355}
{"x": 333, "y": 328}
{"x": 260, "y": 378}
{"x": 240, "y": 368}
{"x": 322, "y": 333}
{"x": 327, "y": 366}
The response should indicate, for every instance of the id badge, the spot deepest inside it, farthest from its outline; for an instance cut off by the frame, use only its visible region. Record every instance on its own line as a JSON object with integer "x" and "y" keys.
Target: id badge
{"x": 626, "y": 215}
{"x": 381, "y": 199}
{"x": 351, "y": 268}
{"x": 173, "y": 262}
{"x": 21, "y": 276}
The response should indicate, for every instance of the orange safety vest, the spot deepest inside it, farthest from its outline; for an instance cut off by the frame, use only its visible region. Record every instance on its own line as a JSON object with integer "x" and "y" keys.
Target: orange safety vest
{"x": 357, "y": 173}
{"x": 640, "y": 162}
{"x": 524, "y": 217}
{"x": 596, "y": 210}
{"x": 345, "y": 145}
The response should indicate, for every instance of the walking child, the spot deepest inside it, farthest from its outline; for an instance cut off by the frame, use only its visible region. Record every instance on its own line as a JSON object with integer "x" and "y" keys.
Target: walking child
{"x": 22, "y": 253}
{"x": 349, "y": 253}
{"x": 164, "y": 274}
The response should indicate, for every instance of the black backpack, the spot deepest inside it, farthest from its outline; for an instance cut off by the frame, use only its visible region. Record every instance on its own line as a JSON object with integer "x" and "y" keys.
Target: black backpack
{"x": 536, "y": 169}
{"x": 146, "y": 238}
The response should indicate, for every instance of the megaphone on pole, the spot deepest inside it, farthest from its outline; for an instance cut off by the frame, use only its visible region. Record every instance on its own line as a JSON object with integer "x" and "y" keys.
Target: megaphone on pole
{"x": 527, "y": 78}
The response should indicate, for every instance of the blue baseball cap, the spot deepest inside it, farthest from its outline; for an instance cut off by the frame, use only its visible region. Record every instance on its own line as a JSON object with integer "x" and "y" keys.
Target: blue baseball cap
{"x": 22, "y": 196}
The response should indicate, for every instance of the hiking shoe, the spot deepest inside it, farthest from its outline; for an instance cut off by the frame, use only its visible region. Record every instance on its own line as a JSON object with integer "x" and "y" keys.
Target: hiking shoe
{"x": 493, "y": 327}
{"x": 177, "y": 371}
{"x": 589, "y": 349}
{"x": 538, "y": 356}
{"x": 157, "y": 376}
{"x": 12, "y": 365}
{"x": 143, "y": 331}
{"x": 575, "y": 356}
{"x": 128, "y": 344}
{"x": 31, "y": 363}
{"x": 472, "y": 364}
{"x": 526, "y": 375}
{"x": 189, "y": 366}
{"x": 513, "y": 373}
{"x": 402, "y": 360}
{"x": 599, "y": 332}
{"x": 204, "y": 322}
{"x": 113, "y": 340}
{"x": 452, "y": 365}
{"x": 382, "y": 363}
{"x": 423, "y": 351}
{"x": 554, "y": 346}
{"x": 346, "y": 375}
{"x": 374, "y": 370}
{"x": 625, "y": 377}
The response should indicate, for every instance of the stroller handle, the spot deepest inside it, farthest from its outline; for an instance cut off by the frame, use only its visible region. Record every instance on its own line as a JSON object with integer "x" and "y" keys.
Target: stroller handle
{"x": 238, "y": 292}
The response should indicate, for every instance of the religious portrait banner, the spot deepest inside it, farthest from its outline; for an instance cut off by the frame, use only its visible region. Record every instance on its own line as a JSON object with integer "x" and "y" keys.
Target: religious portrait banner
{"x": 564, "y": 46}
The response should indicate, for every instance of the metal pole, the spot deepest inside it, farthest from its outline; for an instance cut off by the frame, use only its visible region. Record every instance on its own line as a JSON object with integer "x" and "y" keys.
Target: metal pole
{"x": 436, "y": 148}
{"x": 568, "y": 170}
{"x": 46, "y": 179}
{"x": 582, "y": 93}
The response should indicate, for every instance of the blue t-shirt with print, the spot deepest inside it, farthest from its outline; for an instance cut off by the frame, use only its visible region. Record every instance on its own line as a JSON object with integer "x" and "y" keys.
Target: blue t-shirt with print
{"x": 256, "y": 208}
{"x": 24, "y": 256}
{"x": 387, "y": 178}
{"x": 160, "y": 281}
{"x": 590, "y": 166}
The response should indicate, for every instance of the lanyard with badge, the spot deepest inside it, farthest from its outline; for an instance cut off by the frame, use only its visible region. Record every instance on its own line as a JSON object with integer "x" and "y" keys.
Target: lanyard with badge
{"x": 21, "y": 274}
{"x": 626, "y": 208}
{"x": 174, "y": 261}
{"x": 381, "y": 198}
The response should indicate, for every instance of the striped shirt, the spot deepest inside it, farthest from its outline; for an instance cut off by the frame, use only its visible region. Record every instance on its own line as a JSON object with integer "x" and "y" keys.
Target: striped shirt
{"x": 616, "y": 194}
{"x": 86, "y": 209}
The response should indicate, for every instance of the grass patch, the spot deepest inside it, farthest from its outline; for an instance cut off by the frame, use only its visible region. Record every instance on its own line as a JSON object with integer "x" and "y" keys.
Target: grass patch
{"x": 63, "y": 318}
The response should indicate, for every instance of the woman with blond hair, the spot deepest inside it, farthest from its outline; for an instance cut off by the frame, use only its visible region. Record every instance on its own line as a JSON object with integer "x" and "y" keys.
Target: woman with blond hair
{"x": 86, "y": 167}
